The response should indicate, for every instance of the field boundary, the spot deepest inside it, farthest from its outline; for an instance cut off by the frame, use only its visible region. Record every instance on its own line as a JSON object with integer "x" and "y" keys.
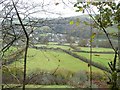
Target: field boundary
{"x": 97, "y": 65}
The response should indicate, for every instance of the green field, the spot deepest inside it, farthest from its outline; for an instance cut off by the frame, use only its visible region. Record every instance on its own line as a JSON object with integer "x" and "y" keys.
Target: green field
{"x": 65, "y": 65}
{"x": 54, "y": 46}
{"x": 67, "y": 47}
{"x": 49, "y": 60}
{"x": 99, "y": 58}
{"x": 97, "y": 49}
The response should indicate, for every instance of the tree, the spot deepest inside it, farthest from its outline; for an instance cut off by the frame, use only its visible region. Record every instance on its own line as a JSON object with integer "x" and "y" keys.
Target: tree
{"x": 10, "y": 34}
{"x": 17, "y": 26}
{"x": 108, "y": 15}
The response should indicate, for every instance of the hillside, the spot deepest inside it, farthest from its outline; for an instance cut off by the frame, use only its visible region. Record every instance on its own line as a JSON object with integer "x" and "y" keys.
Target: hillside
{"x": 75, "y": 26}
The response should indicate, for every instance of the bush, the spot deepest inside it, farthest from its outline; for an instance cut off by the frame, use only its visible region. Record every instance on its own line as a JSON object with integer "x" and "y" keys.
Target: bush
{"x": 98, "y": 76}
{"x": 60, "y": 80}
{"x": 12, "y": 74}
{"x": 79, "y": 78}
{"x": 40, "y": 77}
{"x": 66, "y": 74}
{"x": 46, "y": 78}
{"x": 87, "y": 85}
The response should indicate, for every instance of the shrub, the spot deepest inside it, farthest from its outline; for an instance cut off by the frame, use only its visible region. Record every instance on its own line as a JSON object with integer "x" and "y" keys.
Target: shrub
{"x": 98, "y": 76}
{"x": 66, "y": 74}
{"x": 12, "y": 74}
{"x": 87, "y": 85}
{"x": 79, "y": 78}
{"x": 40, "y": 77}
{"x": 60, "y": 80}
{"x": 46, "y": 78}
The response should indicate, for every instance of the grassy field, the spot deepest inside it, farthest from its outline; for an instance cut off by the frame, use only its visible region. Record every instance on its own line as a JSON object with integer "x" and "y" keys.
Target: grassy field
{"x": 99, "y": 58}
{"x": 49, "y": 60}
{"x": 97, "y": 49}
{"x": 54, "y": 46}
{"x": 67, "y": 47}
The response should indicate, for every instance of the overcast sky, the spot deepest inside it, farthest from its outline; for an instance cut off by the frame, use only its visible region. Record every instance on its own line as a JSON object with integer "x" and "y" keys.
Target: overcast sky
{"x": 51, "y": 8}
{"x": 58, "y": 8}
{"x": 46, "y": 8}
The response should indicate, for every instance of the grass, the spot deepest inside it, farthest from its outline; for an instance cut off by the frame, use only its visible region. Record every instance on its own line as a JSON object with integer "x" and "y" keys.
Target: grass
{"x": 52, "y": 43}
{"x": 97, "y": 49}
{"x": 38, "y": 86}
{"x": 10, "y": 50}
{"x": 47, "y": 86}
{"x": 49, "y": 61}
{"x": 55, "y": 46}
{"x": 100, "y": 58}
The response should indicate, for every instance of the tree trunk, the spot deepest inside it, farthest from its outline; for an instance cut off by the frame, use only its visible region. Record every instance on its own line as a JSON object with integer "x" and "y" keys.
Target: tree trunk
{"x": 119, "y": 55}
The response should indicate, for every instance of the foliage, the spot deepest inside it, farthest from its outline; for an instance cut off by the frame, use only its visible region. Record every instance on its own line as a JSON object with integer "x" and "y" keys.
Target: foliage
{"x": 12, "y": 74}
{"x": 87, "y": 85}
{"x": 99, "y": 76}
{"x": 71, "y": 22}
{"x": 109, "y": 12}
{"x": 49, "y": 61}
{"x": 109, "y": 15}
{"x": 79, "y": 78}
{"x": 42, "y": 77}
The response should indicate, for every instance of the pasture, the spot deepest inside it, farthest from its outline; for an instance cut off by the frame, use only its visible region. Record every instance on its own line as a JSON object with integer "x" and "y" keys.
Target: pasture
{"x": 60, "y": 63}
{"x": 49, "y": 60}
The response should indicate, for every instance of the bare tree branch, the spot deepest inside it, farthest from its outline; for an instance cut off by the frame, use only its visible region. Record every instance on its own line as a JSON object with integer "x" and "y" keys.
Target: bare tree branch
{"x": 26, "y": 47}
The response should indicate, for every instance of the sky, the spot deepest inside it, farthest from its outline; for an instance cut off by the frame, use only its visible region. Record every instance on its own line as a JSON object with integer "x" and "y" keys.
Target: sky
{"x": 50, "y": 8}
{"x": 53, "y": 8}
